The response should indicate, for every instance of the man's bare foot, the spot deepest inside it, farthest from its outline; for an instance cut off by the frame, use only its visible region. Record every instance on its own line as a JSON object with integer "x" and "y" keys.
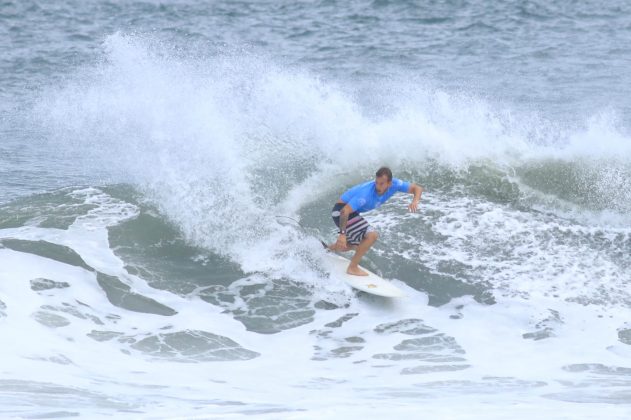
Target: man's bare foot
{"x": 356, "y": 271}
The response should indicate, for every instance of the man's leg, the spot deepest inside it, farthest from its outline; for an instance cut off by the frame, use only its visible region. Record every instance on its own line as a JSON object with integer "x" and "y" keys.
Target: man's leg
{"x": 363, "y": 247}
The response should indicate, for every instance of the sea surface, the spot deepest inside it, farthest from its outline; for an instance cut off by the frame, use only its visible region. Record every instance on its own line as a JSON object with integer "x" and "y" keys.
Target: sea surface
{"x": 147, "y": 148}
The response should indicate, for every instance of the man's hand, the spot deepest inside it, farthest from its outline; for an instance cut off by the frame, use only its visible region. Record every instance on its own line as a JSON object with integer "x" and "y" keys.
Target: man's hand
{"x": 417, "y": 190}
{"x": 341, "y": 242}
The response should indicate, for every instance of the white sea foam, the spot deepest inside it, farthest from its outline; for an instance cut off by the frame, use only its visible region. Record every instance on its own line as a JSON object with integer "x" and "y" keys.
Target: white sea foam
{"x": 220, "y": 146}
{"x": 375, "y": 353}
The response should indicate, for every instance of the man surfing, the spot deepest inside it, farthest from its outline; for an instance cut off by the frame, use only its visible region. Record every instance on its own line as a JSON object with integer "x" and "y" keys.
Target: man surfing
{"x": 354, "y": 231}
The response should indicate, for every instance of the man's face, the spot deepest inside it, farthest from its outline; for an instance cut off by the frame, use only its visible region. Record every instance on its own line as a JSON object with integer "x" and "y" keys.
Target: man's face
{"x": 382, "y": 184}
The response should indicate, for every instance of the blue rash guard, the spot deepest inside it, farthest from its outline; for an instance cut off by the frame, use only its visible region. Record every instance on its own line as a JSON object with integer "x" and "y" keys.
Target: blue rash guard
{"x": 364, "y": 197}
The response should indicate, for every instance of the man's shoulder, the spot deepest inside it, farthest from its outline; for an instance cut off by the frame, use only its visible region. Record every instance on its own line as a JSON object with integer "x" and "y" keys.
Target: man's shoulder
{"x": 364, "y": 186}
{"x": 400, "y": 184}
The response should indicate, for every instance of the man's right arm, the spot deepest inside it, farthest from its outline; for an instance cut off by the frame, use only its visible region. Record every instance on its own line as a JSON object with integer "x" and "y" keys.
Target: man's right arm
{"x": 344, "y": 213}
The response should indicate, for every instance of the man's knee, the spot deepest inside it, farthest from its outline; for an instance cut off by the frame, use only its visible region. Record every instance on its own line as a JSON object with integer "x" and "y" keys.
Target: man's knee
{"x": 372, "y": 235}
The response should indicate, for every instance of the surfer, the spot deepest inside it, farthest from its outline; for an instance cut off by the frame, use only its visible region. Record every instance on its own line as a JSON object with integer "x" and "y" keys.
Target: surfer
{"x": 354, "y": 231}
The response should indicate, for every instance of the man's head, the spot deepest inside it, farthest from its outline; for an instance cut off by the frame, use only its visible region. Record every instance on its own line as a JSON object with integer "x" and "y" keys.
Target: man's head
{"x": 383, "y": 180}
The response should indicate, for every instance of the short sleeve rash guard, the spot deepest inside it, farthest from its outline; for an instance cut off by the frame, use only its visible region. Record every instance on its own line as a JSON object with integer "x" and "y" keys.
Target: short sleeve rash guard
{"x": 364, "y": 197}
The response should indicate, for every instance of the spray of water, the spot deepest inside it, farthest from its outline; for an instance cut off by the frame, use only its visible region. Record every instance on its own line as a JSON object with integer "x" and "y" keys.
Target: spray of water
{"x": 223, "y": 143}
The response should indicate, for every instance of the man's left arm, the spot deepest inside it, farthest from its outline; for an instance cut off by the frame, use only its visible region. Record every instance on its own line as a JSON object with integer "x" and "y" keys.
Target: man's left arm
{"x": 417, "y": 190}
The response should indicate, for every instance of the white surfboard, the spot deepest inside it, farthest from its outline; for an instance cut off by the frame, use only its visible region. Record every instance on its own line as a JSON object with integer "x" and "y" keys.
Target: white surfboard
{"x": 371, "y": 283}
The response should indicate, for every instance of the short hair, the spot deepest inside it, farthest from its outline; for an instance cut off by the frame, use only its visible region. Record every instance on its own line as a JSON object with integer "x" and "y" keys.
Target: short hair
{"x": 384, "y": 170}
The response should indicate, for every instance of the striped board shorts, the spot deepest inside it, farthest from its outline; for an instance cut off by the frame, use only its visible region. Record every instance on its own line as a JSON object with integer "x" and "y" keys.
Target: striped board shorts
{"x": 356, "y": 228}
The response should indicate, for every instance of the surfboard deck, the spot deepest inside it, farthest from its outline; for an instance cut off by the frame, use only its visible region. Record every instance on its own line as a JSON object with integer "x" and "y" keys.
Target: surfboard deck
{"x": 371, "y": 283}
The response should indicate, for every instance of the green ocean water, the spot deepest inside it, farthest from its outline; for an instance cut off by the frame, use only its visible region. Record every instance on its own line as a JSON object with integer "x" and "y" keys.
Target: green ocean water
{"x": 146, "y": 149}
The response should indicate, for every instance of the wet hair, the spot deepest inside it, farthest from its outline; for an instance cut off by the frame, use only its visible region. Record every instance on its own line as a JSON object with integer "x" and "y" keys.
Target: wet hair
{"x": 384, "y": 170}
